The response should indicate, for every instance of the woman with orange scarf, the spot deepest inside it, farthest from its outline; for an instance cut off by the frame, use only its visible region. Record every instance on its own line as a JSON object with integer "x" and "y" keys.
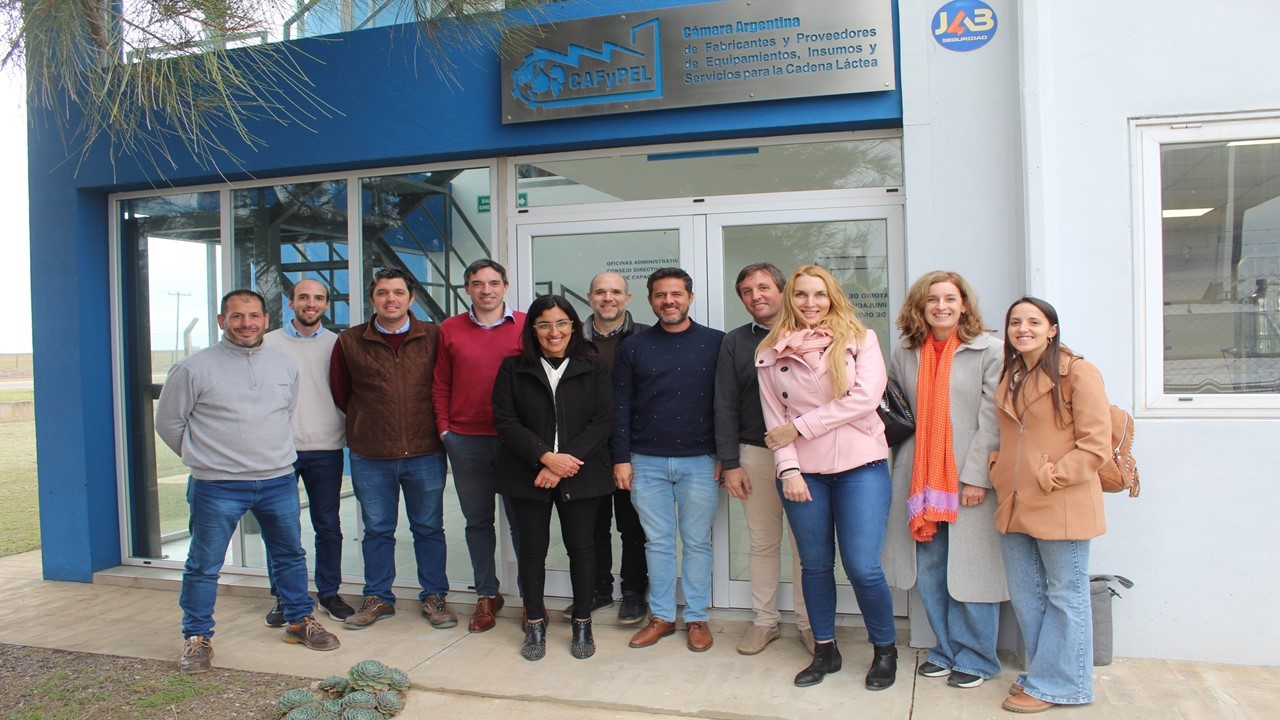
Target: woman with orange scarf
{"x": 941, "y": 537}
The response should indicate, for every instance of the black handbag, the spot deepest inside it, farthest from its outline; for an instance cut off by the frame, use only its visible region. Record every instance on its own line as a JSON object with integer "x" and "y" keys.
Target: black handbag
{"x": 899, "y": 422}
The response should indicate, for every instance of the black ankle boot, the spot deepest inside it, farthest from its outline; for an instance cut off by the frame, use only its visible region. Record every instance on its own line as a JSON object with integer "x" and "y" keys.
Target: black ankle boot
{"x": 884, "y": 667}
{"x": 826, "y": 659}
{"x": 535, "y": 640}
{"x": 583, "y": 645}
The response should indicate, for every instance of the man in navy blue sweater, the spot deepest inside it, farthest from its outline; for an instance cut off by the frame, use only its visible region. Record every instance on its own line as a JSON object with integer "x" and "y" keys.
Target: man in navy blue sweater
{"x": 664, "y": 449}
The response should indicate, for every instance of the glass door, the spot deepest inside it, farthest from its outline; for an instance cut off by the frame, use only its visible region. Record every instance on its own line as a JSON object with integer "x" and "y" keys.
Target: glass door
{"x": 862, "y": 247}
{"x": 170, "y": 283}
{"x": 561, "y": 259}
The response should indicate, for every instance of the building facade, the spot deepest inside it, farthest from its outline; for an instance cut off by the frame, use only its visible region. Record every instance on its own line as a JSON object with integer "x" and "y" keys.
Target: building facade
{"x": 1120, "y": 160}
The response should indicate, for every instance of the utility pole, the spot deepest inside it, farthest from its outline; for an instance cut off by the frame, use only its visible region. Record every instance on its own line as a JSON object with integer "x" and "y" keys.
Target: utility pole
{"x": 177, "y": 322}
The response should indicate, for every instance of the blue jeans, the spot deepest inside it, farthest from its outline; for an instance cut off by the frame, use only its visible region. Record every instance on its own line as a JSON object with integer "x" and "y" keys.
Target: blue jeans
{"x": 378, "y": 484}
{"x": 662, "y": 489}
{"x": 321, "y": 475}
{"x": 216, "y": 507}
{"x": 966, "y": 631}
{"x": 852, "y": 507}
{"x": 475, "y": 478}
{"x": 1049, "y": 588}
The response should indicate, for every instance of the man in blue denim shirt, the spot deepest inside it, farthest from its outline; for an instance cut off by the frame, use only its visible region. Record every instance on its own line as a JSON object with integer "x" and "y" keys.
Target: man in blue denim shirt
{"x": 226, "y": 411}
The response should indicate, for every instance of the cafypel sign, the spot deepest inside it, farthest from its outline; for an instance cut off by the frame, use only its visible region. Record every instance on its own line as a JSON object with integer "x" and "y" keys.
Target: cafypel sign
{"x": 707, "y": 54}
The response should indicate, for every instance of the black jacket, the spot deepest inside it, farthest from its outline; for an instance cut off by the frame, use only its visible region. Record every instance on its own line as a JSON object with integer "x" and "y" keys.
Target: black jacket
{"x": 527, "y": 416}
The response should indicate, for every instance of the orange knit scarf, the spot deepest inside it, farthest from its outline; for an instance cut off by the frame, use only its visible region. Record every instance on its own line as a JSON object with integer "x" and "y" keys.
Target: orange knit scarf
{"x": 935, "y": 481}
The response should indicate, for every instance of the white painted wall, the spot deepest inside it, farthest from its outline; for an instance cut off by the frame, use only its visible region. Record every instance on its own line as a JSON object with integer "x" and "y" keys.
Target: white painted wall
{"x": 961, "y": 157}
{"x": 1199, "y": 541}
{"x": 1029, "y": 138}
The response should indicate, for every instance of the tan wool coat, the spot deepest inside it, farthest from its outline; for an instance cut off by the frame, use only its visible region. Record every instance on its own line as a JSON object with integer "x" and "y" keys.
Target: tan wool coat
{"x": 1046, "y": 475}
{"x": 975, "y": 571}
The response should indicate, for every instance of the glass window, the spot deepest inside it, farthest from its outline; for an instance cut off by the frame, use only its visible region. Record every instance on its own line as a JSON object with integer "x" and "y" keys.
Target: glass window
{"x": 290, "y": 232}
{"x": 843, "y": 165}
{"x": 170, "y": 288}
{"x": 431, "y": 224}
{"x": 855, "y": 251}
{"x": 1219, "y": 262}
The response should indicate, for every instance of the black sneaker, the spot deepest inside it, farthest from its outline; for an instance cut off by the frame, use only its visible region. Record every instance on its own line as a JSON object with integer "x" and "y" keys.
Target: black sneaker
{"x": 599, "y": 600}
{"x": 275, "y": 618}
{"x": 634, "y": 609}
{"x": 964, "y": 680}
{"x": 931, "y": 669}
{"x": 337, "y": 608}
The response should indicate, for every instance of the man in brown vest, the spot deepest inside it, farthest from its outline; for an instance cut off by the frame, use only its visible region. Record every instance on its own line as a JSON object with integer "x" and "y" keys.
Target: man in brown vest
{"x": 380, "y": 376}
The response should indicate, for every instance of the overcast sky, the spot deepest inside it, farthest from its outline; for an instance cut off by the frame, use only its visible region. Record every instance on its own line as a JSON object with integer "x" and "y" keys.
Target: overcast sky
{"x": 15, "y": 263}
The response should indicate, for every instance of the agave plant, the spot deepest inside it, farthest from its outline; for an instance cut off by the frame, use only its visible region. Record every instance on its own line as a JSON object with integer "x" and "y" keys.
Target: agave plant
{"x": 334, "y": 685}
{"x": 294, "y": 699}
{"x": 332, "y": 706}
{"x": 399, "y": 681}
{"x": 389, "y": 702}
{"x": 306, "y": 712}
{"x": 359, "y": 699}
{"x": 370, "y": 676}
{"x": 362, "y": 714}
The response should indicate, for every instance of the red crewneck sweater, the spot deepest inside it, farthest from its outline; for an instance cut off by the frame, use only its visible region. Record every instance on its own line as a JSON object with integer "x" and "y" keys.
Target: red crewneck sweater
{"x": 466, "y": 366}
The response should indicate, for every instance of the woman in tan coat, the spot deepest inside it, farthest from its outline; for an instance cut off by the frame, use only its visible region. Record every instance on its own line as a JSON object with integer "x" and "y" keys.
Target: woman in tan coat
{"x": 941, "y": 538}
{"x": 1055, "y": 433}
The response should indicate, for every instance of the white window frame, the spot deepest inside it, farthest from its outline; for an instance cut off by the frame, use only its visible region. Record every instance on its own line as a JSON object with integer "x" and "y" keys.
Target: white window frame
{"x": 1147, "y": 135}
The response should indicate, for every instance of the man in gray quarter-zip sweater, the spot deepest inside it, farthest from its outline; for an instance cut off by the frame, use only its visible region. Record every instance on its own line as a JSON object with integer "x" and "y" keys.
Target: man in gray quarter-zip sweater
{"x": 225, "y": 411}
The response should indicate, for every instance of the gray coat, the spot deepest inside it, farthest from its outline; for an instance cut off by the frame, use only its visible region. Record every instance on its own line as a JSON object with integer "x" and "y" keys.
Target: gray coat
{"x": 975, "y": 572}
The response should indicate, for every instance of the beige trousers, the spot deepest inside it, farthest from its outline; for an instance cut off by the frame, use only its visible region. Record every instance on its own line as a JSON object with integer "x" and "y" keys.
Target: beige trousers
{"x": 763, "y": 509}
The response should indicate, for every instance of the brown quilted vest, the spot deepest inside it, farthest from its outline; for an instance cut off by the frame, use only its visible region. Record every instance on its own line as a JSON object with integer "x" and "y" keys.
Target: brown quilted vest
{"x": 389, "y": 413}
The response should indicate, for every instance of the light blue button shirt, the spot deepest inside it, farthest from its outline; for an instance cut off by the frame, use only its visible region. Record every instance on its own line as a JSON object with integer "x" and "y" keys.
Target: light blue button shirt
{"x": 404, "y": 329}
{"x": 507, "y": 314}
{"x": 292, "y": 331}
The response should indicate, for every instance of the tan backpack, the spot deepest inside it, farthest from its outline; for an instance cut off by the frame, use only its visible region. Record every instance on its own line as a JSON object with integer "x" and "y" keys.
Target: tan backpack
{"x": 1121, "y": 472}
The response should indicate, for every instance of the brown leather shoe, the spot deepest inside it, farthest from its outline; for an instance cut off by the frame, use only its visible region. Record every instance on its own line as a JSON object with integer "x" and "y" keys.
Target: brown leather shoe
{"x": 1024, "y": 703}
{"x": 437, "y": 612}
{"x": 310, "y": 633}
{"x": 652, "y": 633}
{"x": 371, "y": 611}
{"x": 483, "y": 618}
{"x": 1015, "y": 689}
{"x": 197, "y": 651}
{"x": 699, "y": 636}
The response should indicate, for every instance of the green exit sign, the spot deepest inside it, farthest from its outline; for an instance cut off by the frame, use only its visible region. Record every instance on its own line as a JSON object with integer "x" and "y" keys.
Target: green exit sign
{"x": 483, "y": 202}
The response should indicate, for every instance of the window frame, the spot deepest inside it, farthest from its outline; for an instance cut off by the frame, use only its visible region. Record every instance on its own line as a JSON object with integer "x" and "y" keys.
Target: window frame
{"x": 1147, "y": 137}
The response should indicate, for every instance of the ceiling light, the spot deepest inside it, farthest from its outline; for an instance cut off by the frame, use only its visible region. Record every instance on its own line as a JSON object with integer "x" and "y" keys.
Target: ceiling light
{"x": 1185, "y": 212}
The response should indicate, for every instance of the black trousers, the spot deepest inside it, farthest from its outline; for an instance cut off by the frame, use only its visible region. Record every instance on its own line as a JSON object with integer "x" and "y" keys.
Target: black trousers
{"x": 635, "y": 570}
{"x": 577, "y": 523}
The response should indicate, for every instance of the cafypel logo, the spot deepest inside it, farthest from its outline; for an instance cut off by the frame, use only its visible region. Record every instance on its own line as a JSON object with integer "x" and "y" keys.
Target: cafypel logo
{"x": 586, "y": 76}
{"x": 964, "y": 25}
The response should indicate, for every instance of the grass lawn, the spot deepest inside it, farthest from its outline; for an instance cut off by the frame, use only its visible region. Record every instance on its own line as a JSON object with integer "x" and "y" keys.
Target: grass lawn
{"x": 17, "y": 395}
{"x": 19, "y": 515}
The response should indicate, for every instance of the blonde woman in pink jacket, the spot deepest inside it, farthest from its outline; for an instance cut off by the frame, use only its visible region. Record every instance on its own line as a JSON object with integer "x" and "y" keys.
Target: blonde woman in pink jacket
{"x": 821, "y": 379}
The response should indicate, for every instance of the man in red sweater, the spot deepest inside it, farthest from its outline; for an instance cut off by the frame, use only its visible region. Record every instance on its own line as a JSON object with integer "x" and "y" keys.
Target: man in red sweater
{"x": 472, "y": 346}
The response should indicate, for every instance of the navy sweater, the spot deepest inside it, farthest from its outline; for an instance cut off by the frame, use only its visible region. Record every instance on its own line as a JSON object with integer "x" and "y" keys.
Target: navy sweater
{"x": 664, "y": 393}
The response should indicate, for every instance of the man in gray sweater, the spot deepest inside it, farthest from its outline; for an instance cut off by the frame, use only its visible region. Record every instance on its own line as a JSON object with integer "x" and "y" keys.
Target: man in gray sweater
{"x": 747, "y": 463}
{"x": 225, "y": 411}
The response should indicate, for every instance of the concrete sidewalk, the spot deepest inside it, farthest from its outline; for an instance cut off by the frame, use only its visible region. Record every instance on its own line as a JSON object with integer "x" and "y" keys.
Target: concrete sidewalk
{"x": 134, "y": 612}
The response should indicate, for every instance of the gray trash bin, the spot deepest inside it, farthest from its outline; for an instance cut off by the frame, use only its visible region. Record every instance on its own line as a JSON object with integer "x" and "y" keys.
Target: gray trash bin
{"x": 1101, "y": 593}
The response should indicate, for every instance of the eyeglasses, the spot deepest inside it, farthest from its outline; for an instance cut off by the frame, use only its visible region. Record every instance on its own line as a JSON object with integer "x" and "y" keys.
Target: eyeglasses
{"x": 560, "y": 325}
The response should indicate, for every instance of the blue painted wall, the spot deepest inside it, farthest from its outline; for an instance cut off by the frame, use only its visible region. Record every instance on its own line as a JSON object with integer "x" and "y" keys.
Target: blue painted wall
{"x": 391, "y": 108}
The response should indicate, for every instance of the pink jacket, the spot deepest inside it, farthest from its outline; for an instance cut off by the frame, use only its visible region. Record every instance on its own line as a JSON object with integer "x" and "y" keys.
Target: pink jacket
{"x": 835, "y": 434}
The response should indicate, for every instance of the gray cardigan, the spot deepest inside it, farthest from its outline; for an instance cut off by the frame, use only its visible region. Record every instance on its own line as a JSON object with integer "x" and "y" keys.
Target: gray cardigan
{"x": 975, "y": 571}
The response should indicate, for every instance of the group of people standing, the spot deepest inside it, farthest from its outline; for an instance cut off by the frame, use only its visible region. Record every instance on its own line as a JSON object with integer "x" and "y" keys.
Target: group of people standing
{"x": 1028, "y": 419}
{"x": 606, "y": 417}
